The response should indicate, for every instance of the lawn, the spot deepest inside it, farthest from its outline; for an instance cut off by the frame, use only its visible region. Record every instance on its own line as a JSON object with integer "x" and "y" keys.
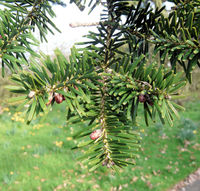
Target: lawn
{"x": 38, "y": 156}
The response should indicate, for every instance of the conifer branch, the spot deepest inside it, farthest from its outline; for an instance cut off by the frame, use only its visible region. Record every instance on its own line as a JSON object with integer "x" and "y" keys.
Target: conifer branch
{"x": 103, "y": 84}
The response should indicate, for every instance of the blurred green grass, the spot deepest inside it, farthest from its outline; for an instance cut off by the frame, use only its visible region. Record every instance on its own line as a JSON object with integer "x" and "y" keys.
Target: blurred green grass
{"x": 38, "y": 156}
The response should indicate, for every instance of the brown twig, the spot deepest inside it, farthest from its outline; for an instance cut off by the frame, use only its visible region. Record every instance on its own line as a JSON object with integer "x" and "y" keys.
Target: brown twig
{"x": 77, "y": 24}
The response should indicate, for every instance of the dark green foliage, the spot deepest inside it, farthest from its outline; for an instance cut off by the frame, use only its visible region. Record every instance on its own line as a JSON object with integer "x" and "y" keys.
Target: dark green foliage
{"x": 177, "y": 37}
{"x": 17, "y": 20}
{"x": 58, "y": 2}
{"x": 78, "y": 4}
{"x": 33, "y": 13}
{"x": 157, "y": 85}
{"x": 102, "y": 83}
{"x": 58, "y": 76}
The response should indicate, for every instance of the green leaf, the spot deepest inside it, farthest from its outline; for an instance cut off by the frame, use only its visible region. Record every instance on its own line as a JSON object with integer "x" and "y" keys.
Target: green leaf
{"x": 32, "y": 111}
{"x": 66, "y": 94}
{"x": 159, "y": 112}
{"x": 95, "y": 167}
{"x": 176, "y": 87}
{"x": 178, "y": 106}
{"x": 189, "y": 22}
{"x": 16, "y": 89}
{"x": 17, "y": 99}
{"x": 173, "y": 109}
{"x": 169, "y": 118}
{"x": 163, "y": 109}
{"x": 84, "y": 143}
{"x": 42, "y": 104}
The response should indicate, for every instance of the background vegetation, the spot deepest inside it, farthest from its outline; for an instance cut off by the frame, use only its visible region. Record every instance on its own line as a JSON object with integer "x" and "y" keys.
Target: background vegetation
{"x": 38, "y": 156}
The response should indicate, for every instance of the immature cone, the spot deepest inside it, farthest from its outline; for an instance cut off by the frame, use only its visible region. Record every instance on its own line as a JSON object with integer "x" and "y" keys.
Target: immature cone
{"x": 95, "y": 134}
{"x": 58, "y": 98}
{"x": 142, "y": 98}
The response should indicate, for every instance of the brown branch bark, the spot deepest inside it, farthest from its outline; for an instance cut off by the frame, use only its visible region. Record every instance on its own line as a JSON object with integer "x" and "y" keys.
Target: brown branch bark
{"x": 78, "y": 24}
